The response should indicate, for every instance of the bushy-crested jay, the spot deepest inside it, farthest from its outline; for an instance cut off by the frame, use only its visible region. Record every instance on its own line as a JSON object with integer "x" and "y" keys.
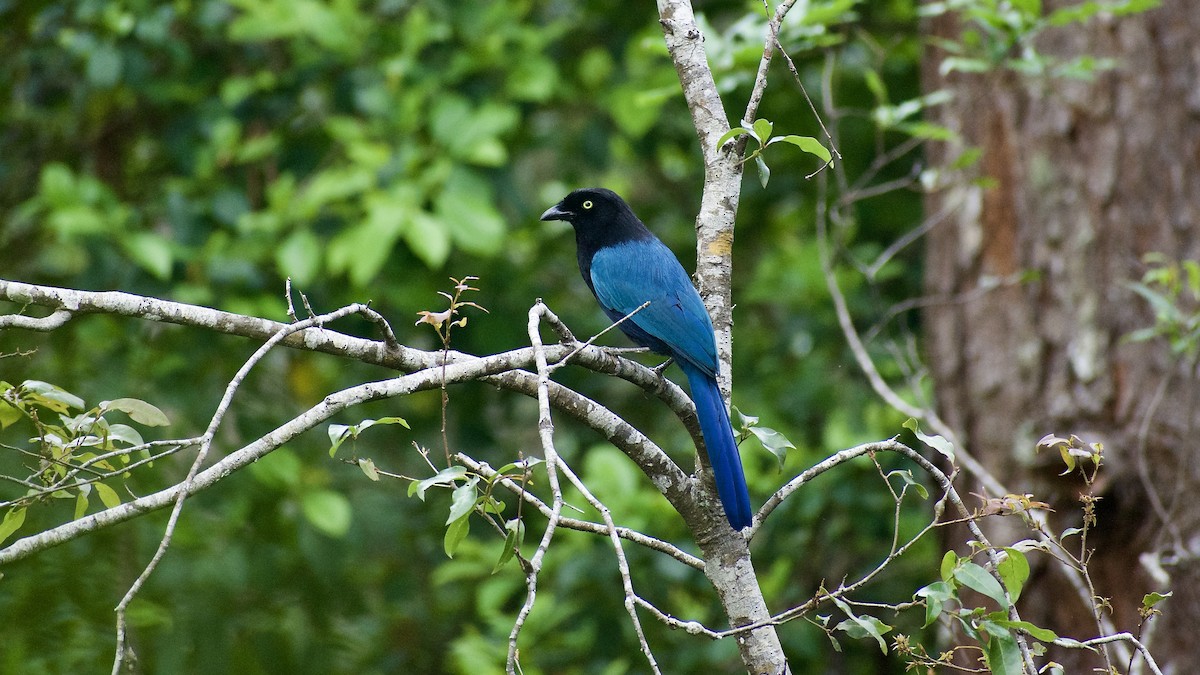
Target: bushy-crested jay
{"x": 625, "y": 266}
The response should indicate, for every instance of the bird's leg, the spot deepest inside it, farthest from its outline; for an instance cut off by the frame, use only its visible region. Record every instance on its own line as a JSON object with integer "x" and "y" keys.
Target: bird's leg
{"x": 658, "y": 370}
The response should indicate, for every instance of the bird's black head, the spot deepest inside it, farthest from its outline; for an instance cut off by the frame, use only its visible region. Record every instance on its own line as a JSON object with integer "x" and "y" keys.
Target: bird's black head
{"x": 600, "y": 217}
{"x": 588, "y": 205}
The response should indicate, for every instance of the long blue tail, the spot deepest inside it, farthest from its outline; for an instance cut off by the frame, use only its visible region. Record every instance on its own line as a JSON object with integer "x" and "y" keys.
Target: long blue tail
{"x": 722, "y": 449}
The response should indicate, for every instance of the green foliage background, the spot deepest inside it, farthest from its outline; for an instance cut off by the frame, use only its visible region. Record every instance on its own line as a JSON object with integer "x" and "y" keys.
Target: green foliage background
{"x": 203, "y": 150}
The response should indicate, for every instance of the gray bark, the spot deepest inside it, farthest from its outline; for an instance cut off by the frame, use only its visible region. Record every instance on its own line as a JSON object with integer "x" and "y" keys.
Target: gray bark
{"x": 1083, "y": 179}
{"x": 726, "y": 553}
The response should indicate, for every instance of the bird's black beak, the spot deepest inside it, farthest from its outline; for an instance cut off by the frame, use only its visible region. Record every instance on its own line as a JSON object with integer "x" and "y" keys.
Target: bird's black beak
{"x": 556, "y": 212}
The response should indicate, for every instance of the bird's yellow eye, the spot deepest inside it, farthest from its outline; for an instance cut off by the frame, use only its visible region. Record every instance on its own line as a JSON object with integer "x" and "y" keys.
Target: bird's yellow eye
{"x": 587, "y": 204}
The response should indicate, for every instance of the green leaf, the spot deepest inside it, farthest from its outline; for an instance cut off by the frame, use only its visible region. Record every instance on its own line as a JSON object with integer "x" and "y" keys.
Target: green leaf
{"x": 966, "y": 622}
{"x": 936, "y": 596}
{"x": 808, "y": 144}
{"x": 1191, "y": 270}
{"x": 462, "y": 500}
{"x": 151, "y": 252}
{"x": 429, "y": 239}
{"x": 1003, "y": 655}
{"x": 139, "y": 411}
{"x": 472, "y": 133}
{"x": 512, "y": 541}
{"x": 338, "y": 433}
{"x": 51, "y": 396}
{"x": 927, "y": 131}
{"x": 447, "y": 476}
{"x": 1052, "y": 668}
{"x": 962, "y": 64}
{"x": 361, "y": 251}
{"x": 328, "y": 511}
{"x": 1083, "y": 11}
{"x": 299, "y": 257}
{"x": 368, "y": 468}
{"x": 466, "y": 206}
{"x": 145, "y": 614}
{"x": 77, "y": 220}
{"x": 976, "y": 578}
{"x": 108, "y": 496}
{"x": 859, "y": 627}
{"x": 455, "y": 533}
{"x": 764, "y": 173}
{"x": 776, "y": 443}
{"x": 762, "y": 130}
{"x": 875, "y": 83}
{"x": 257, "y": 148}
{"x": 907, "y": 476}
{"x": 949, "y": 562}
{"x": 281, "y": 470}
{"x": 1030, "y": 8}
{"x": 125, "y": 434}
{"x": 1152, "y": 599}
{"x": 533, "y": 79}
{"x": 332, "y": 185}
{"x": 1070, "y": 532}
{"x": 732, "y": 133}
{"x": 491, "y": 505}
{"x": 936, "y": 442}
{"x": 81, "y": 504}
{"x": 57, "y": 186}
{"x": 1014, "y": 571}
{"x": 1162, "y": 306}
{"x": 9, "y": 414}
{"x": 744, "y": 421}
{"x": 12, "y": 522}
{"x": 1035, "y": 631}
{"x": 828, "y": 13}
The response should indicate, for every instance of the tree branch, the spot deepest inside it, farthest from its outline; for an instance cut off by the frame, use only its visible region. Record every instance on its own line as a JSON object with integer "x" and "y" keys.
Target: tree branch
{"x": 326, "y": 341}
{"x": 670, "y": 480}
{"x": 43, "y": 324}
{"x": 722, "y": 173}
{"x": 546, "y": 436}
{"x": 206, "y": 441}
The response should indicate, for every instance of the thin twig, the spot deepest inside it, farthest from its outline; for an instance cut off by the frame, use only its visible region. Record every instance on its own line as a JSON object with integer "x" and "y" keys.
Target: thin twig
{"x": 122, "y": 648}
{"x": 811, "y": 106}
{"x": 563, "y": 361}
{"x": 631, "y": 598}
{"x": 327, "y": 341}
{"x": 497, "y": 369}
{"x": 44, "y": 324}
{"x": 1111, "y": 639}
{"x": 634, "y": 536}
{"x": 546, "y": 435}
{"x": 66, "y": 482}
{"x": 764, "y": 64}
{"x": 287, "y": 294}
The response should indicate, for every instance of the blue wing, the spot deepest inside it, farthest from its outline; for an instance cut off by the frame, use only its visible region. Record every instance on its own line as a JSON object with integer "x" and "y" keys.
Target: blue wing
{"x": 628, "y": 274}
{"x": 676, "y": 323}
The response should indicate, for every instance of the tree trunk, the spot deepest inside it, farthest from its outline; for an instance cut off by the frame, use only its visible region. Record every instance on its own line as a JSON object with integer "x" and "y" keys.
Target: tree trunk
{"x": 1082, "y": 179}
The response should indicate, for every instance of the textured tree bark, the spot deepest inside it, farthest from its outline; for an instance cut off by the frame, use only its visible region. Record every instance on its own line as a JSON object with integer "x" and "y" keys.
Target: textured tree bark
{"x": 1082, "y": 180}
{"x": 726, "y": 553}
{"x": 722, "y": 174}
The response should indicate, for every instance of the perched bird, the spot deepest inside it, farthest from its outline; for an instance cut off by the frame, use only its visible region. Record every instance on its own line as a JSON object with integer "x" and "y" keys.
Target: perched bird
{"x": 625, "y": 265}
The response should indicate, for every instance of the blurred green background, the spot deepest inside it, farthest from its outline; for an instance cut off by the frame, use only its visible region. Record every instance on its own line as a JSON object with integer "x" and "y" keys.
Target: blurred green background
{"x": 204, "y": 150}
